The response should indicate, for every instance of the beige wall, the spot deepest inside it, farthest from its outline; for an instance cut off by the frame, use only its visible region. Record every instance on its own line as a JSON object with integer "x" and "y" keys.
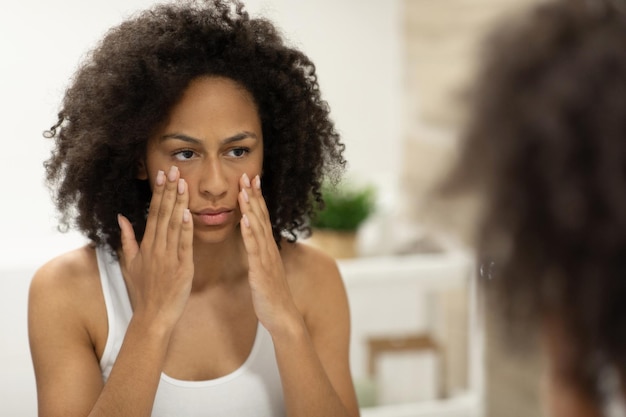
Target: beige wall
{"x": 442, "y": 39}
{"x": 442, "y": 42}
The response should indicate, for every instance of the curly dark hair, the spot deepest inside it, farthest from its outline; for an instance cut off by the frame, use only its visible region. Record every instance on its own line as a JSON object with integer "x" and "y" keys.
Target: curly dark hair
{"x": 545, "y": 146}
{"x": 129, "y": 82}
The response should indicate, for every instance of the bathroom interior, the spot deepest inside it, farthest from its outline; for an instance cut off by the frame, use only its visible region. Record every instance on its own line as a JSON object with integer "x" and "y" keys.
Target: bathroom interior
{"x": 393, "y": 73}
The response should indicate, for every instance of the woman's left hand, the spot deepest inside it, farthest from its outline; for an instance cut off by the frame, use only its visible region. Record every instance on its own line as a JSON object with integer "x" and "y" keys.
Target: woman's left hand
{"x": 271, "y": 297}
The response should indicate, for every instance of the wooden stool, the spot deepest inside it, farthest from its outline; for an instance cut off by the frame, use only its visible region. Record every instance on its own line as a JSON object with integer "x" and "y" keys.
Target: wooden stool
{"x": 416, "y": 342}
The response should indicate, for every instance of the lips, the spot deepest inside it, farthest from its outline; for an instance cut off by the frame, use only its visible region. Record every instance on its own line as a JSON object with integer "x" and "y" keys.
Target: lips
{"x": 213, "y": 217}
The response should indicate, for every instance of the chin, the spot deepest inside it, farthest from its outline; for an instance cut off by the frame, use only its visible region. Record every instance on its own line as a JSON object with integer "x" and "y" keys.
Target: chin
{"x": 216, "y": 235}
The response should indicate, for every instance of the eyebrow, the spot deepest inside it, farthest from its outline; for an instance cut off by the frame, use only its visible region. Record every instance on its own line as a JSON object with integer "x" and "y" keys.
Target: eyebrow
{"x": 186, "y": 138}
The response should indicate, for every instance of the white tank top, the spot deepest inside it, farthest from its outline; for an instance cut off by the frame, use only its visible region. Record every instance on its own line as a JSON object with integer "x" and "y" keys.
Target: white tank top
{"x": 253, "y": 390}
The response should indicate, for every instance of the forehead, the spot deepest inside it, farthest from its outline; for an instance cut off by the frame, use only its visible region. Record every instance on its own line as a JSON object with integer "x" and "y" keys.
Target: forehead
{"x": 212, "y": 106}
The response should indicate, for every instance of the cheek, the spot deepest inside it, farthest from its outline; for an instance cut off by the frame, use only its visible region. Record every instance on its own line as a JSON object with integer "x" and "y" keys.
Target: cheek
{"x": 253, "y": 167}
{"x": 260, "y": 162}
{"x": 190, "y": 177}
{"x": 152, "y": 166}
{"x": 257, "y": 166}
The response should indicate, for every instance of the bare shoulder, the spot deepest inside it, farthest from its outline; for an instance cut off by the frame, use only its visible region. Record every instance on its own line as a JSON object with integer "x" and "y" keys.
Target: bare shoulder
{"x": 69, "y": 273}
{"x": 314, "y": 277}
{"x": 67, "y": 330}
{"x": 305, "y": 264}
{"x": 66, "y": 285}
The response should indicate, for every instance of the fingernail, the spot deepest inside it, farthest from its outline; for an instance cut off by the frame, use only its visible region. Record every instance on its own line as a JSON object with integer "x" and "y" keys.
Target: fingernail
{"x": 172, "y": 174}
{"x": 257, "y": 182}
{"x": 119, "y": 220}
{"x": 160, "y": 179}
{"x": 181, "y": 186}
{"x": 245, "y": 220}
{"x": 186, "y": 216}
{"x": 245, "y": 195}
{"x": 246, "y": 180}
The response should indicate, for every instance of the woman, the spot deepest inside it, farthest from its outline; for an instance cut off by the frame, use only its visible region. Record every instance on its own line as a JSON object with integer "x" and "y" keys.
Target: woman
{"x": 190, "y": 149}
{"x": 546, "y": 150}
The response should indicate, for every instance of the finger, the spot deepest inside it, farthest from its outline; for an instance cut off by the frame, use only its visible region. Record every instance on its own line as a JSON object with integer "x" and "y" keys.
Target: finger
{"x": 253, "y": 231}
{"x": 185, "y": 247}
{"x": 166, "y": 208}
{"x": 153, "y": 210}
{"x": 259, "y": 207}
{"x": 250, "y": 196}
{"x": 249, "y": 241}
{"x": 176, "y": 220}
{"x": 246, "y": 205}
{"x": 256, "y": 186}
{"x": 130, "y": 247}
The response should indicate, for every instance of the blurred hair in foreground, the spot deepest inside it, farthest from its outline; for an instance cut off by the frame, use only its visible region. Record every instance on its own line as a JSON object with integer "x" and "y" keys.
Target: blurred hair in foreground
{"x": 544, "y": 155}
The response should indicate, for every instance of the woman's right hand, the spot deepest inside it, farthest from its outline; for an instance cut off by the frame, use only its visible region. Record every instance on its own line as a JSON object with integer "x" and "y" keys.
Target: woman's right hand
{"x": 159, "y": 271}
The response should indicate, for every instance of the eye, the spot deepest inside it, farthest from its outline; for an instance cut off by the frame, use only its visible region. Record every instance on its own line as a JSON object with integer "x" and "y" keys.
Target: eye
{"x": 238, "y": 152}
{"x": 184, "y": 155}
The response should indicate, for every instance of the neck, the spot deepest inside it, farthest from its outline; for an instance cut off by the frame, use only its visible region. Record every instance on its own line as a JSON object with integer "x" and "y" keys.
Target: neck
{"x": 220, "y": 263}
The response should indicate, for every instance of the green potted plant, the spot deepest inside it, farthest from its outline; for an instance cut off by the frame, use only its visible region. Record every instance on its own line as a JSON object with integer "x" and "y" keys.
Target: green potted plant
{"x": 335, "y": 225}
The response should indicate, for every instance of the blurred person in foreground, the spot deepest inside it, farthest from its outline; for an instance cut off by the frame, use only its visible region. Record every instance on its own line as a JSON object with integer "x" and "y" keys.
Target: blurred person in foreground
{"x": 545, "y": 152}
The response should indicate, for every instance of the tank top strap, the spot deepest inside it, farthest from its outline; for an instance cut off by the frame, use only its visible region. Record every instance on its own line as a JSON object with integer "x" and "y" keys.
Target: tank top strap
{"x": 118, "y": 308}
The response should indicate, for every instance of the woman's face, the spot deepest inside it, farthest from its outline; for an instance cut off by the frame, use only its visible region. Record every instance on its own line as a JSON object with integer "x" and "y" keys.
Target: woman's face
{"x": 213, "y": 135}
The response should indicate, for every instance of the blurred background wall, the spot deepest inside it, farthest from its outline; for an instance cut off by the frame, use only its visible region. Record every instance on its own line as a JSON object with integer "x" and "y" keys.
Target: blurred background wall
{"x": 442, "y": 50}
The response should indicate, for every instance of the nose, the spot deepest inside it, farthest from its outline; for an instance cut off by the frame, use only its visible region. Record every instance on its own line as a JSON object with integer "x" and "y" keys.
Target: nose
{"x": 213, "y": 181}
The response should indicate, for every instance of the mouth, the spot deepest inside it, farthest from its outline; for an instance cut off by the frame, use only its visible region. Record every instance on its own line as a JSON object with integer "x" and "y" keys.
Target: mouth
{"x": 213, "y": 217}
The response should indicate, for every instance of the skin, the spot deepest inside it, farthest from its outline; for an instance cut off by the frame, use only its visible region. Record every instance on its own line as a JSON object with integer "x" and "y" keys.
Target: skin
{"x": 561, "y": 398}
{"x": 194, "y": 275}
